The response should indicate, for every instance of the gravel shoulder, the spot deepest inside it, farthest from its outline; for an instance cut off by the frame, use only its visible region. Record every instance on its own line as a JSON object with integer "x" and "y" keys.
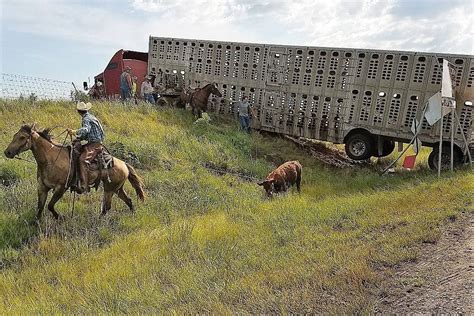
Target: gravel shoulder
{"x": 441, "y": 281}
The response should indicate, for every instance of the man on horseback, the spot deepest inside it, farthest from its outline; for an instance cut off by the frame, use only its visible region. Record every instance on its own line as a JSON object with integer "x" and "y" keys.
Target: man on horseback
{"x": 93, "y": 133}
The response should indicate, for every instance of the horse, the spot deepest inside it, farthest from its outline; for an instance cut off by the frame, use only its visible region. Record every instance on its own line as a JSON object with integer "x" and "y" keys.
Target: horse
{"x": 199, "y": 97}
{"x": 54, "y": 163}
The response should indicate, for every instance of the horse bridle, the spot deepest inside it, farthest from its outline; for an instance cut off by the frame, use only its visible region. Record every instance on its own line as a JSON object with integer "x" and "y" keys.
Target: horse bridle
{"x": 26, "y": 146}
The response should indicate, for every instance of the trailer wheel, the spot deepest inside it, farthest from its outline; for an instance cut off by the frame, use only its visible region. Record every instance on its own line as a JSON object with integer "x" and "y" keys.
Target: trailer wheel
{"x": 445, "y": 158}
{"x": 359, "y": 146}
{"x": 387, "y": 148}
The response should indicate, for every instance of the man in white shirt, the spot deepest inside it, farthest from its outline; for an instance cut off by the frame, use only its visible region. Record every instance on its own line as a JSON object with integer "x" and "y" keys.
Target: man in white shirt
{"x": 244, "y": 114}
{"x": 147, "y": 91}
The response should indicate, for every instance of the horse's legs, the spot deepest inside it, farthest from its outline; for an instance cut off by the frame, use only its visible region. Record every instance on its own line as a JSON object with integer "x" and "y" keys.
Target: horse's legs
{"x": 124, "y": 197}
{"x": 57, "y": 194}
{"x": 107, "y": 202}
{"x": 42, "y": 196}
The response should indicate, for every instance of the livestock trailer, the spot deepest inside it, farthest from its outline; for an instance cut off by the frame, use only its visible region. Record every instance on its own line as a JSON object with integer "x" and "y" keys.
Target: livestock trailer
{"x": 364, "y": 98}
{"x": 110, "y": 77}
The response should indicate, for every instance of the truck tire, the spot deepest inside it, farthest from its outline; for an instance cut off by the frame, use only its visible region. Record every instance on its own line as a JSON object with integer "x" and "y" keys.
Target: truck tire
{"x": 445, "y": 158}
{"x": 359, "y": 146}
{"x": 387, "y": 148}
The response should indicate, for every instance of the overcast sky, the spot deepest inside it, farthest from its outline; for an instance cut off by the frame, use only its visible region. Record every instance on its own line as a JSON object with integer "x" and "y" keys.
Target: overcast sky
{"x": 73, "y": 40}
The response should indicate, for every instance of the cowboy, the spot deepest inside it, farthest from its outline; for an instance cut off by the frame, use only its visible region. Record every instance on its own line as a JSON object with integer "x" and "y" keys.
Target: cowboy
{"x": 92, "y": 132}
{"x": 126, "y": 83}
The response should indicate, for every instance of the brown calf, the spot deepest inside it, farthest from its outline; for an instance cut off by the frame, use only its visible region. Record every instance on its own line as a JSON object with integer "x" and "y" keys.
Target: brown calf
{"x": 280, "y": 179}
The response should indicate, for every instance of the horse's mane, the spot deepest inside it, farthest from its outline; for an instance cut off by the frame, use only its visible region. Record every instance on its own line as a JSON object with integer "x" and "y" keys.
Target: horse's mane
{"x": 45, "y": 133}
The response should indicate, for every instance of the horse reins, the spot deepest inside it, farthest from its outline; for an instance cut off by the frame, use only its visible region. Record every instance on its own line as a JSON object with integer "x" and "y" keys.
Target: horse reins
{"x": 19, "y": 158}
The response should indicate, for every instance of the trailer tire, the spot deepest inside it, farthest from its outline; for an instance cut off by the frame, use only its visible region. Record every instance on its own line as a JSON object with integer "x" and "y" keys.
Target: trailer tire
{"x": 445, "y": 158}
{"x": 387, "y": 148}
{"x": 359, "y": 146}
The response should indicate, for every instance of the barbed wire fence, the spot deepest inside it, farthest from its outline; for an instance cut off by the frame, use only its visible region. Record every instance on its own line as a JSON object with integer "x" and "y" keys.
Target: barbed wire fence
{"x": 19, "y": 86}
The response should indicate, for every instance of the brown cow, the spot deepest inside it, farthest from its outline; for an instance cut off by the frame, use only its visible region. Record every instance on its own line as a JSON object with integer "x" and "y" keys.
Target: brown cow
{"x": 280, "y": 179}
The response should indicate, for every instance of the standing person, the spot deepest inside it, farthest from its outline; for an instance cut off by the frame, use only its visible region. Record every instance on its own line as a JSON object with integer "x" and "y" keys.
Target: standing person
{"x": 134, "y": 88}
{"x": 244, "y": 114}
{"x": 126, "y": 84}
{"x": 146, "y": 91}
{"x": 93, "y": 133}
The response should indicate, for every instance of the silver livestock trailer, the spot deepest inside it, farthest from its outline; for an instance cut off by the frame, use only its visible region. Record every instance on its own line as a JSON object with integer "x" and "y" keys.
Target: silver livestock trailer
{"x": 364, "y": 98}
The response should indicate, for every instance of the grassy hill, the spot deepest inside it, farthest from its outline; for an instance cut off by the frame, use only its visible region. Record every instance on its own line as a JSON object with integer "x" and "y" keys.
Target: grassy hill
{"x": 206, "y": 242}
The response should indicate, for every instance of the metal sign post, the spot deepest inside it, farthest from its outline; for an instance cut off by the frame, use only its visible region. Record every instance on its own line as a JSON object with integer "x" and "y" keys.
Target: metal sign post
{"x": 453, "y": 124}
{"x": 440, "y": 141}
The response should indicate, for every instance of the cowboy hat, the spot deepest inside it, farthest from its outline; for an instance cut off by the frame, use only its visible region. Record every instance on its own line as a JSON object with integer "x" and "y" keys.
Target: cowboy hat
{"x": 128, "y": 68}
{"x": 81, "y": 106}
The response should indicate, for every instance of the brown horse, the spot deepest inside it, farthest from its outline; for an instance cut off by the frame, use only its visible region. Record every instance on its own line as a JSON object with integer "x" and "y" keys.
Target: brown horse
{"x": 54, "y": 170}
{"x": 199, "y": 97}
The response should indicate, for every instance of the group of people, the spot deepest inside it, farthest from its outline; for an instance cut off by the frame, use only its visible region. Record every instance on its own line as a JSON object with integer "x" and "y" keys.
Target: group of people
{"x": 128, "y": 87}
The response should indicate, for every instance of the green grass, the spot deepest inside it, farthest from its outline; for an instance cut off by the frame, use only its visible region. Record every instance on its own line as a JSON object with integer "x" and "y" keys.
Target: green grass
{"x": 209, "y": 243}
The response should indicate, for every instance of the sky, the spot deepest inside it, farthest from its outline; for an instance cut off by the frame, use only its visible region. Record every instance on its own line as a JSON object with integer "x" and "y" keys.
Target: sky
{"x": 74, "y": 40}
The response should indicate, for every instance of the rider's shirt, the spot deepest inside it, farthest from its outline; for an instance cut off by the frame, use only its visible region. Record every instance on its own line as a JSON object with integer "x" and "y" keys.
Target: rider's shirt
{"x": 91, "y": 129}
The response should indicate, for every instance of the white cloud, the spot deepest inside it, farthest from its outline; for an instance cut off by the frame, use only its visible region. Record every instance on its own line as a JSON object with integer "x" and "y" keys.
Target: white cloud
{"x": 390, "y": 24}
{"x": 375, "y": 24}
{"x": 424, "y": 25}
{"x": 208, "y": 11}
{"x": 72, "y": 21}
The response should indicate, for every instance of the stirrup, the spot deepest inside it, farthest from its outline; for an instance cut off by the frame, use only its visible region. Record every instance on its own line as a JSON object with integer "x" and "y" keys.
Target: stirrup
{"x": 76, "y": 189}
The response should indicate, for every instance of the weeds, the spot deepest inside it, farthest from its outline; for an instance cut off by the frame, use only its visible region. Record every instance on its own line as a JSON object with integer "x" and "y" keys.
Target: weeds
{"x": 207, "y": 241}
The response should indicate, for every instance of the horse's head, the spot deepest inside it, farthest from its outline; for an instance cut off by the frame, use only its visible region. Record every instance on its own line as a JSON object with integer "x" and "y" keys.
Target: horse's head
{"x": 21, "y": 141}
{"x": 214, "y": 90}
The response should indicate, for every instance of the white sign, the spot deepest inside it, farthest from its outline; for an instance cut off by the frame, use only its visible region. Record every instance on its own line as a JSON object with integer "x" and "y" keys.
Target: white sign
{"x": 446, "y": 82}
{"x": 415, "y": 127}
{"x": 433, "y": 112}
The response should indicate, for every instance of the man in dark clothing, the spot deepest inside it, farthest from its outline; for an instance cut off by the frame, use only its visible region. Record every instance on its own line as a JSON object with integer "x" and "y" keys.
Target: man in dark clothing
{"x": 93, "y": 133}
{"x": 126, "y": 84}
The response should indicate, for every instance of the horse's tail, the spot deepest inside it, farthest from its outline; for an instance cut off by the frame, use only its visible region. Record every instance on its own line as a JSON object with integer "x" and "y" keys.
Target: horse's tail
{"x": 136, "y": 181}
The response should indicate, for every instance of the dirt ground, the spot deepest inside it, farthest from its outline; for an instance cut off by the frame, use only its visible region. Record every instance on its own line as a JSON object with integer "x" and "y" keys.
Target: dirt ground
{"x": 441, "y": 281}
{"x": 329, "y": 156}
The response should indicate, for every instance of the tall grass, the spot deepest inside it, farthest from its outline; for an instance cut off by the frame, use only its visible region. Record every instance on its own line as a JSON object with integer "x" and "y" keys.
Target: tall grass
{"x": 204, "y": 242}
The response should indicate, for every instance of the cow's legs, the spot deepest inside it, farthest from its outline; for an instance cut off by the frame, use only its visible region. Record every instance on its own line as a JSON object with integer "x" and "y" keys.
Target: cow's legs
{"x": 298, "y": 183}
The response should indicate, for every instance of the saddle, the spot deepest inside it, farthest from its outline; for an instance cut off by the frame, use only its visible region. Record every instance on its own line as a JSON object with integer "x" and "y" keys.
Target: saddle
{"x": 103, "y": 160}
{"x": 189, "y": 93}
{"x": 100, "y": 160}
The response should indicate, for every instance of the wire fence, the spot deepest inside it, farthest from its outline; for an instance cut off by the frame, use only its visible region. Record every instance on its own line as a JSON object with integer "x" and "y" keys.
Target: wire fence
{"x": 19, "y": 86}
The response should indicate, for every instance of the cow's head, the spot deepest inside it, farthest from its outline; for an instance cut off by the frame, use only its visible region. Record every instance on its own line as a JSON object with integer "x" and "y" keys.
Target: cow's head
{"x": 269, "y": 186}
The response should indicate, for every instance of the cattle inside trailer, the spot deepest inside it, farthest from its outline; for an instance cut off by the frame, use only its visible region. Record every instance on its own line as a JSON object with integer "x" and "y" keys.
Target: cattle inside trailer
{"x": 364, "y": 98}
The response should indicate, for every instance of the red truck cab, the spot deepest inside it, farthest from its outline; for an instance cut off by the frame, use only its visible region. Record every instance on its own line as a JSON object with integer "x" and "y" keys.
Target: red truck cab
{"x": 110, "y": 77}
